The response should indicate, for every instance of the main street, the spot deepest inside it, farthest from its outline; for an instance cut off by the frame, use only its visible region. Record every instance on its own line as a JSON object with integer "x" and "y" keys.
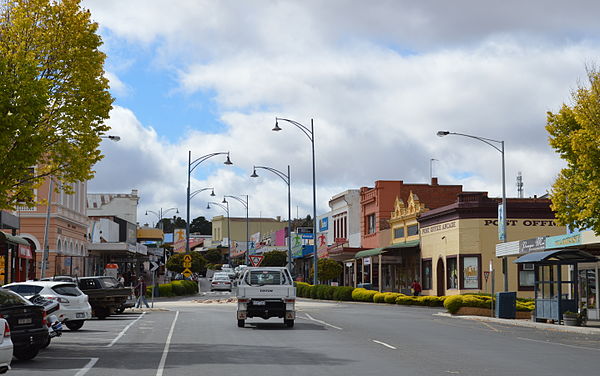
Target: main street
{"x": 198, "y": 336}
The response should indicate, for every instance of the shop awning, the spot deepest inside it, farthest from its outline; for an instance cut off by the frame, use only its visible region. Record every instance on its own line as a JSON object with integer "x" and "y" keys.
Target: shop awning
{"x": 8, "y": 238}
{"x": 378, "y": 251}
{"x": 558, "y": 255}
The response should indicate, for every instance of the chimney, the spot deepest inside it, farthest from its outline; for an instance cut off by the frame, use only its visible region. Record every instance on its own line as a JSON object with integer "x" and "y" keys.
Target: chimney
{"x": 278, "y": 218}
{"x": 434, "y": 181}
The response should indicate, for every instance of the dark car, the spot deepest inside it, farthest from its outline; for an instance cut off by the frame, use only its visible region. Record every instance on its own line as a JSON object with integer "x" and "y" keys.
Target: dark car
{"x": 106, "y": 295}
{"x": 28, "y": 329}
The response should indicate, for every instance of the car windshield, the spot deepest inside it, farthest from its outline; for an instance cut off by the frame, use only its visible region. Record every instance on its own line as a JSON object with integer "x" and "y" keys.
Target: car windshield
{"x": 265, "y": 277}
{"x": 221, "y": 278}
{"x": 67, "y": 289}
{"x": 25, "y": 289}
{"x": 9, "y": 298}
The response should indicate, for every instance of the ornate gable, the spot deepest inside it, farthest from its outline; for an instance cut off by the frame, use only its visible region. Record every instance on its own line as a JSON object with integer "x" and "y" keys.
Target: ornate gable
{"x": 411, "y": 209}
{"x": 399, "y": 208}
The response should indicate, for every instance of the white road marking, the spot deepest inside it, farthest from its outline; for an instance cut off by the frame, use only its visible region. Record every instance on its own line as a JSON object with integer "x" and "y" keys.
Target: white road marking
{"x": 559, "y": 344}
{"x": 124, "y": 330}
{"x": 82, "y": 371}
{"x": 163, "y": 359}
{"x": 384, "y": 344}
{"x": 322, "y": 322}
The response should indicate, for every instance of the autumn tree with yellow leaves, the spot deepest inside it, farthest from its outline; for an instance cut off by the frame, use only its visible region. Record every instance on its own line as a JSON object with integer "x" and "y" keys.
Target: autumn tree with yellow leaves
{"x": 54, "y": 96}
{"x": 575, "y": 135}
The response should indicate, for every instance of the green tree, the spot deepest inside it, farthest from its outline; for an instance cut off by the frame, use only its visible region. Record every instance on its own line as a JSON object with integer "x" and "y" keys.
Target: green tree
{"x": 214, "y": 256}
{"x": 575, "y": 135}
{"x": 175, "y": 262}
{"x": 201, "y": 226}
{"x": 328, "y": 269}
{"x": 54, "y": 97}
{"x": 169, "y": 224}
{"x": 274, "y": 258}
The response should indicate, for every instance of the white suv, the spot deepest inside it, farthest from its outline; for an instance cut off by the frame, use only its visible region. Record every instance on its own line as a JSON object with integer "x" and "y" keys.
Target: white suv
{"x": 73, "y": 302}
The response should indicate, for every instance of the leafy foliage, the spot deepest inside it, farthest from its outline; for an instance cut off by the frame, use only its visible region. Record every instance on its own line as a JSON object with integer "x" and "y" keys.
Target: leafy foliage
{"x": 175, "y": 262}
{"x": 575, "y": 135}
{"x": 214, "y": 256}
{"x": 274, "y": 258}
{"x": 328, "y": 269}
{"x": 201, "y": 226}
{"x": 54, "y": 97}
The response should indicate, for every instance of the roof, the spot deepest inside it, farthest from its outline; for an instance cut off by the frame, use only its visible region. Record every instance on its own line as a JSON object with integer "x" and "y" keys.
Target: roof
{"x": 4, "y": 237}
{"x": 557, "y": 256}
{"x": 377, "y": 251}
{"x": 42, "y": 283}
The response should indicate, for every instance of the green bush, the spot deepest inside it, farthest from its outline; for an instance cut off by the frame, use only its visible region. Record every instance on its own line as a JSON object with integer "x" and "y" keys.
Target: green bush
{"x": 431, "y": 301}
{"x": 301, "y": 289}
{"x": 343, "y": 293}
{"x": 165, "y": 289}
{"x": 406, "y": 300}
{"x": 363, "y": 295}
{"x": 379, "y": 297}
{"x": 525, "y": 306}
{"x": 178, "y": 288}
{"x": 390, "y": 297}
{"x": 453, "y": 303}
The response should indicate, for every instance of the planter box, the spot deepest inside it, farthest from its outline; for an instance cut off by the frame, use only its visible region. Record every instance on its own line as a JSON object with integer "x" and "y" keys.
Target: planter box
{"x": 475, "y": 311}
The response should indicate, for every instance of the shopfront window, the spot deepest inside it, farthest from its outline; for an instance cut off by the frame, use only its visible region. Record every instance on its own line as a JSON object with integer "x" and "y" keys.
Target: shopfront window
{"x": 470, "y": 272}
{"x": 451, "y": 273}
{"x": 398, "y": 232}
{"x": 426, "y": 283}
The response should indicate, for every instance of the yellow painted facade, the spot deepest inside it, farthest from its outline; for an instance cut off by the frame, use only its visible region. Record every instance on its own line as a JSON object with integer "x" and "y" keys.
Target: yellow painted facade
{"x": 404, "y": 218}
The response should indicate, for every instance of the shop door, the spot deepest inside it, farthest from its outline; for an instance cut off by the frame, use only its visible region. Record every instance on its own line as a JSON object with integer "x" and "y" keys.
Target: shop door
{"x": 441, "y": 278}
{"x": 588, "y": 283}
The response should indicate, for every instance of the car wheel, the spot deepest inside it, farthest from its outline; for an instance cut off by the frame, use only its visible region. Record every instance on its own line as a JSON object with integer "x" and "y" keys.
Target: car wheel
{"x": 46, "y": 344}
{"x": 27, "y": 353}
{"x": 241, "y": 323}
{"x": 289, "y": 323}
{"x": 74, "y": 325}
{"x": 120, "y": 310}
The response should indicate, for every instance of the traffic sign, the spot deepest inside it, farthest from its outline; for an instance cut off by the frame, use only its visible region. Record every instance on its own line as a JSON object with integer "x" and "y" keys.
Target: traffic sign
{"x": 153, "y": 266}
{"x": 255, "y": 260}
{"x": 187, "y": 264}
{"x": 187, "y": 258}
{"x": 187, "y": 272}
{"x": 486, "y": 275}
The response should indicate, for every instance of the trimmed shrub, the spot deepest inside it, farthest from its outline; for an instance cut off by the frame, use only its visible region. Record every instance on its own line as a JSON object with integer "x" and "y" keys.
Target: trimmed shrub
{"x": 165, "y": 289}
{"x": 379, "y": 297}
{"x": 343, "y": 293}
{"x": 390, "y": 297}
{"x": 363, "y": 295}
{"x": 453, "y": 303}
{"x": 431, "y": 301}
{"x": 525, "y": 306}
{"x": 178, "y": 288}
{"x": 406, "y": 300}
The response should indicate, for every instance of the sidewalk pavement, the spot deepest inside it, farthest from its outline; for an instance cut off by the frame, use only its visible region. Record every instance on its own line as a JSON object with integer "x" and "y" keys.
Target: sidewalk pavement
{"x": 593, "y": 327}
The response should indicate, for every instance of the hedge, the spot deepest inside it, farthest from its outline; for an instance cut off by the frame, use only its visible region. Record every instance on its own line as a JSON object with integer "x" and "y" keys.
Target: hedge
{"x": 324, "y": 292}
{"x": 363, "y": 295}
{"x": 175, "y": 288}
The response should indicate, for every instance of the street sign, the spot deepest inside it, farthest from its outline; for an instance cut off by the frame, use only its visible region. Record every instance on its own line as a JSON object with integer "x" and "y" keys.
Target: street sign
{"x": 153, "y": 266}
{"x": 255, "y": 260}
{"x": 187, "y": 272}
{"x": 187, "y": 258}
{"x": 187, "y": 264}
{"x": 486, "y": 275}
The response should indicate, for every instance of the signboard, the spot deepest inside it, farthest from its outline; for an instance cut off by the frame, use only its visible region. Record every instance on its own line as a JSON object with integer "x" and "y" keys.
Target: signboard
{"x": 560, "y": 241}
{"x": 179, "y": 239}
{"x": 307, "y": 236}
{"x": 532, "y": 245}
{"x": 501, "y": 224}
{"x": 153, "y": 266}
{"x": 367, "y": 261}
{"x": 186, "y": 272}
{"x": 470, "y": 272}
{"x": 187, "y": 261}
{"x": 322, "y": 246}
{"x": 304, "y": 230}
{"x": 255, "y": 260}
{"x": 486, "y": 275}
{"x": 323, "y": 224}
{"x": 296, "y": 246}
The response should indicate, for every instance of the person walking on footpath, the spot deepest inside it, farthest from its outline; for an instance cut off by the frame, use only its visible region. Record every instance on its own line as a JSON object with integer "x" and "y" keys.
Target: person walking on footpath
{"x": 140, "y": 293}
{"x": 416, "y": 286}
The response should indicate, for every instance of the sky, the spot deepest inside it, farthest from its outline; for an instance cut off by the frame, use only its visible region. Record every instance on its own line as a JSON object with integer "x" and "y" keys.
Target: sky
{"x": 378, "y": 79}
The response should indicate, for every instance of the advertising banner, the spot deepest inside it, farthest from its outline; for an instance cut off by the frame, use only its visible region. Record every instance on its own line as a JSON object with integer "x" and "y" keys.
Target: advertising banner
{"x": 501, "y": 224}
{"x": 322, "y": 245}
{"x": 470, "y": 273}
{"x": 179, "y": 240}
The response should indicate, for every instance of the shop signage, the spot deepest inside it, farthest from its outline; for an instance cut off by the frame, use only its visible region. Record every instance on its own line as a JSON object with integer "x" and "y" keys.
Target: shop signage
{"x": 324, "y": 224}
{"x": 502, "y": 222}
{"x": 25, "y": 252}
{"x": 367, "y": 261}
{"x": 560, "y": 241}
{"x": 440, "y": 227}
{"x": 523, "y": 222}
{"x": 532, "y": 245}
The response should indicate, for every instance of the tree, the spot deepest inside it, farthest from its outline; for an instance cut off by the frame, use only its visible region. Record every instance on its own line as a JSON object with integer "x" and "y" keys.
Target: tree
{"x": 54, "y": 97}
{"x": 201, "y": 226}
{"x": 575, "y": 135}
{"x": 214, "y": 256}
{"x": 175, "y": 262}
{"x": 328, "y": 269}
{"x": 169, "y": 224}
{"x": 274, "y": 258}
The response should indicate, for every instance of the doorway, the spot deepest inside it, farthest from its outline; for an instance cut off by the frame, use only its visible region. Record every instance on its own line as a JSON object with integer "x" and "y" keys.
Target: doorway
{"x": 441, "y": 277}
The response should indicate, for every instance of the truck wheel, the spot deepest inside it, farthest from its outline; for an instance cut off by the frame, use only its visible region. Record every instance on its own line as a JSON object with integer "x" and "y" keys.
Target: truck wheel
{"x": 241, "y": 323}
{"x": 120, "y": 310}
{"x": 27, "y": 353}
{"x": 102, "y": 313}
{"x": 74, "y": 325}
{"x": 289, "y": 323}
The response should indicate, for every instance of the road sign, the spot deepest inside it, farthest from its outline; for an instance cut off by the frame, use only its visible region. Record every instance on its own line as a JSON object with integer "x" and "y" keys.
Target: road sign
{"x": 255, "y": 260}
{"x": 486, "y": 275}
{"x": 187, "y": 272}
{"x": 187, "y": 258}
{"x": 153, "y": 266}
{"x": 187, "y": 264}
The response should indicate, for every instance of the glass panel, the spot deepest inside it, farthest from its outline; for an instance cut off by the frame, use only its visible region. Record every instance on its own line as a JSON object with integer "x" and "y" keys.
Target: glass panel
{"x": 526, "y": 278}
{"x": 398, "y": 232}
{"x": 413, "y": 230}
{"x": 471, "y": 272}
{"x": 452, "y": 274}
{"x": 427, "y": 275}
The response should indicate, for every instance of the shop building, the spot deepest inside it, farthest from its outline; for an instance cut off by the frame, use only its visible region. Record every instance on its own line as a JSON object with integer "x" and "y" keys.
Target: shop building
{"x": 458, "y": 243}
{"x": 16, "y": 260}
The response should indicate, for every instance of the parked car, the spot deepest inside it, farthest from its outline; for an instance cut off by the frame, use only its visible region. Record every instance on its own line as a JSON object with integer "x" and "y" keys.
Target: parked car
{"x": 106, "y": 295}
{"x": 74, "y": 306}
{"x": 60, "y": 278}
{"x": 6, "y": 347}
{"x": 28, "y": 329}
{"x": 220, "y": 282}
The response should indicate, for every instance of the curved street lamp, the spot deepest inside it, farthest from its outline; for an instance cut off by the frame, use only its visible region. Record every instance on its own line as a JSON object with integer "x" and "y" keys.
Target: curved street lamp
{"x": 226, "y": 208}
{"x": 112, "y": 137}
{"x": 286, "y": 180}
{"x": 191, "y": 166}
{"x": 310, "y": 133}
{"x": 502, "y": 232}
{"x": 193, "y": 194}
{"x": 161, "y": 214}
{"x": 245, "y": 204}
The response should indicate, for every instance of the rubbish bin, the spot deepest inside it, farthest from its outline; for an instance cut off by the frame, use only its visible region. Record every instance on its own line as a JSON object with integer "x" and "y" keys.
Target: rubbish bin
{"x": 506, "y": 305}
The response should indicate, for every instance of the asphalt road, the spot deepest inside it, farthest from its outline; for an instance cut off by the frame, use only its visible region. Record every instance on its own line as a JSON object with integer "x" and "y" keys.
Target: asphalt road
{"x": 188, "y": 337}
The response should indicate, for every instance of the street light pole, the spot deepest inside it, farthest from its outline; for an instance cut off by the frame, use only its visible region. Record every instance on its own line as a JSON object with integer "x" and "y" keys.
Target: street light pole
{"x": 226, "y": 208}
{"x": 503, "y": 231}
{"x": 191, "y": 166}
{"x": 245, "y": 204}
{"x": 286, "y": 180}
{"x": 160, "y": 214}
{"x": 310, "y": 133}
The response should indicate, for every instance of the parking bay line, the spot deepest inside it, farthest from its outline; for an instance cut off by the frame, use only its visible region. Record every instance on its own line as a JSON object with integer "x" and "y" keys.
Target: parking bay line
{"x": 82, "y": 371}
{"x": 384, "y": 344}
{"x": 163, "y": 359}
{"x": 322, "y": 322}
{"x": 124, "y": 330}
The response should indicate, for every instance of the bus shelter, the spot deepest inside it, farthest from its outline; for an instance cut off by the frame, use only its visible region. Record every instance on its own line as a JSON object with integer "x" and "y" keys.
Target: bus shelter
{"x": 556, "y": 281}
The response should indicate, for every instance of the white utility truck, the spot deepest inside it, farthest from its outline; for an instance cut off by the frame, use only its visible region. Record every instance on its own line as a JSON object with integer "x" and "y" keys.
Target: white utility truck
{"x": 266, "y": 292}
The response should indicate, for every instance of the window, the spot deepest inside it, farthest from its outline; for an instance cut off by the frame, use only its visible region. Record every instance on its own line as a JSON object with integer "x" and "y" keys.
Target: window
{"x": 266, "y": 277}
{"x": 67, "y": 289}
{"x": 451, "y": 273}
{"x": 398, "y": 232}
{"x": 426, "y": 275}
{"x": 413, "y": 230}
{"x": 9, "y": 298}
{"x": 526, "y": 277}
{"x": 470, "y": 272}
{"x": 25, "y": 290}
{"x": 371, "y": 224}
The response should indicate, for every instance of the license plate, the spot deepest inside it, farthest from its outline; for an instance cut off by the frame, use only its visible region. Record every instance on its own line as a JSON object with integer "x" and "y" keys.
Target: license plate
{"x": 80, "y": 315}
{"x": 259, "y": 302}
{"x": 24, "y": 321}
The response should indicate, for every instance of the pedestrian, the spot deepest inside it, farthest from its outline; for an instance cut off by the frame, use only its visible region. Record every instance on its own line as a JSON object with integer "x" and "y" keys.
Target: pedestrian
{"x": 121, "y": 280}
{"x": 140, "y": 293}
{"x": 416, "y": 286}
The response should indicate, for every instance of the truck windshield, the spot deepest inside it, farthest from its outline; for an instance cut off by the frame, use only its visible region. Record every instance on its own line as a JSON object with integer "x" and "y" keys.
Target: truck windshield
{"x": 266, "y": 277}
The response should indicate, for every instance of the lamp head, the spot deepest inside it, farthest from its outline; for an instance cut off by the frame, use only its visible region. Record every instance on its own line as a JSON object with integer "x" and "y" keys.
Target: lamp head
{"x": 212, "y": 193}
{"x": 443, "y": 133}
{"x": 208, "y": 205}
{"x": 254, "y": 174}
{"x": 177, "y": 211}
{"x": 276, "y": 128}
{"x": 146, "y": 212}
{"x": 224, "y": 201}
{"x": 228, "y": 161}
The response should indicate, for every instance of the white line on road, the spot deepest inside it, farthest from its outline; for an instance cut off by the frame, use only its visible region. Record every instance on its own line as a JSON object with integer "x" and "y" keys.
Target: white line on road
{"x": 124, "y": 330}
{"x": 87, "y": 367}
{"x": 163, "y": 360}
{"x": 384, "y": 344}
{"x": 558, "y": 343}
{"x": 322, "y": 322}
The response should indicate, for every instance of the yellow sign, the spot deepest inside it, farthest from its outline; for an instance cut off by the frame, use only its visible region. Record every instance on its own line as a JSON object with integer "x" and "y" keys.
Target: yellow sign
{"x": 187, "y": 258}
{"x": 186, "y": 272}
{"x": 187, "y": 264}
